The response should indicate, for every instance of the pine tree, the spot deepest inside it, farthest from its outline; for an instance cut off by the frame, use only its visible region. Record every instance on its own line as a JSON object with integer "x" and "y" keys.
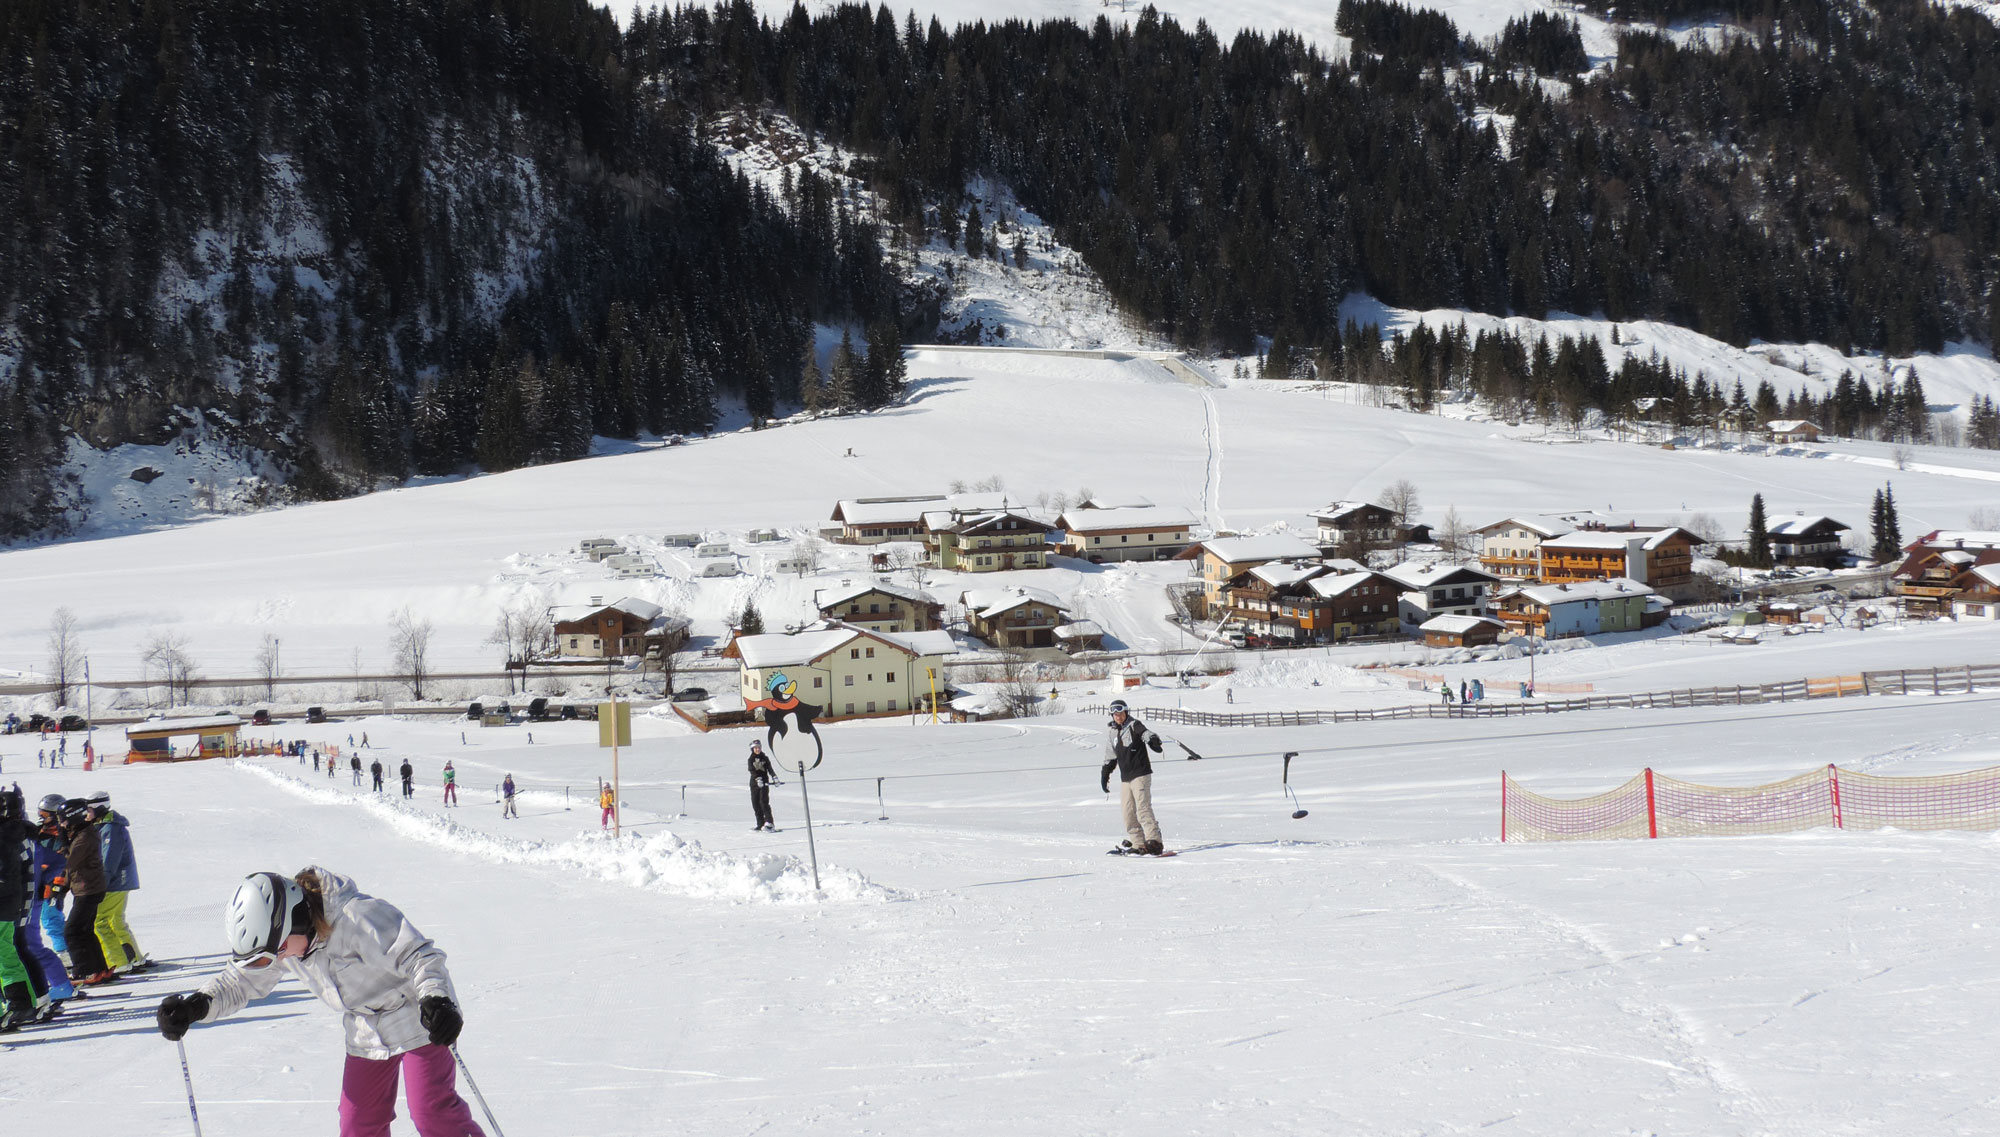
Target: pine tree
{"x": 842, "y": 375}
{"x": 812, "y": 392}
{"x": 751, "y": 623}
{"x": 1893, "y": 525}
{"x": 1878, "y": 527}
{"x": 1759, "y": 538}
{"x": 887, "y": 372}
{"x": 503, "y": 422}
{"x": 975, "y": 233}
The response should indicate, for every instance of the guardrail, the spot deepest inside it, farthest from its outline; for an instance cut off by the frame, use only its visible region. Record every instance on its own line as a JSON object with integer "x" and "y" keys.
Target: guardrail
{"x": 1960, "y": 680}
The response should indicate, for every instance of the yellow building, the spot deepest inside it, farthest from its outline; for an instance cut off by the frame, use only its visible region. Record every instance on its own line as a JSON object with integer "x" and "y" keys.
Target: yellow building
{"x": 843, "y": 671}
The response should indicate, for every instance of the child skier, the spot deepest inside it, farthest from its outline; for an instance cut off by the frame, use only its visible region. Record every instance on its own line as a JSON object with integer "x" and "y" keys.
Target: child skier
{"x": 450, "y": 785}
{"x": 362, "y": 956}
{"x": 605, "y": 802}
{"x": 507, "y": 794}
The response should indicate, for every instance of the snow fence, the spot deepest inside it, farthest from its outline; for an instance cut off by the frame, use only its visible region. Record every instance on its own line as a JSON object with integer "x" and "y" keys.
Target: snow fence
{"x": 1654, "y": 805}
{"x": 661, "y": 862}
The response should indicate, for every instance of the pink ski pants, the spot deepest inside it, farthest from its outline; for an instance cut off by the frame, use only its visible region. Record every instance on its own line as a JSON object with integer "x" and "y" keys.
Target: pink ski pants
{"x": 368, "y": 1095}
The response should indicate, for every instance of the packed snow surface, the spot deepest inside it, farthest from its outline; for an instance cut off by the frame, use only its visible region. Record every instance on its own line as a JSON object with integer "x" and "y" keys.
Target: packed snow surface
{"x": 978, "y": 965}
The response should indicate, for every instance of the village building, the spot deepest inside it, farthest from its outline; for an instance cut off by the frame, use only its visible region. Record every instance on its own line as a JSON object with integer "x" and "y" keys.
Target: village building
{"x": 1220, "y": 559}
{"x": 842, "y": 671}
{"x": 1586, "y": 608}
{"x": 1806, "y": 540}
{"x": 1014, "y": 618}
{"x": 1980, "y": 598}
{"x": 1081, "y": 636}
{"x": 1128, "y": 533}
{"x": 1511, "y": 549}
{"x": 880, "y": 606}
{"x": 1940, "y": 568}
{"x": 1272, "y": 600}
{"x": 986, "y": 541}
{"x": 1662, "y": 559}
{"x": 1461, "y": 631}
{"x": 1356, "y": 526}
{"x": 1437, "y": 589}
{"x": 874, "y": 520}
{"x": 1791, "y": 430}
{"x": 629, "y": 629}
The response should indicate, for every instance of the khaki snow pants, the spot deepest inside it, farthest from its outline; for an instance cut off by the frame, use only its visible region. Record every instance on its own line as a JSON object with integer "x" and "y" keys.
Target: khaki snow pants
{"x": 1136, "y": 799}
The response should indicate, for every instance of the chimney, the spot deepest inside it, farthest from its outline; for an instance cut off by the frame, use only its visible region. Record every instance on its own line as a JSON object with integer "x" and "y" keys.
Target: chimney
{"x": 597, "y": 600}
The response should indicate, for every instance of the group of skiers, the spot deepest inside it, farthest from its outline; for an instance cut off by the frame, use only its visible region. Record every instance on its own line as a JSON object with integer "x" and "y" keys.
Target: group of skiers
{"x": 77, "y": 850}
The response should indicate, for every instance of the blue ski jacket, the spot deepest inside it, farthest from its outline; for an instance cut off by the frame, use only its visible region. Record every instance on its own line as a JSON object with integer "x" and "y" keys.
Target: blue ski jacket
{"x": 121, "y": 868}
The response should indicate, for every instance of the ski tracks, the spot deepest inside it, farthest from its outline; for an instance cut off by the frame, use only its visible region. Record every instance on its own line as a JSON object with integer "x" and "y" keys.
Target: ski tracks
{"x": 1211, "y": 490}
{"x": 1677, "y": 1031}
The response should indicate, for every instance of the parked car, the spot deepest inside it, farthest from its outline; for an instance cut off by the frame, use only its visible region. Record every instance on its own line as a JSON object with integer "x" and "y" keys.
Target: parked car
{"x": 260, "y": 717}
{"x": 538, "y": 708}
{"x": 691, "y": 695}
{"x": 475, "y": 710}
{"x": 315, "y": 714}
{"x": 74, "y": 722}
{"x": 38, "y": 723}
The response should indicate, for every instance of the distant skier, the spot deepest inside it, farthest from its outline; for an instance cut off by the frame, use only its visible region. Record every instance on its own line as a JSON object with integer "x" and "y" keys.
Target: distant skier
{"x": 363, "y": 957}
{"x": 409, "y": 780}
{"x": 1125, "y": 749}
{"x": 507, "y": 795}
{"x": 375, "y": 768}
{"x": 450, "y": 784}
{"x": 605, "y": 802}
{"x": 762, "y": 778}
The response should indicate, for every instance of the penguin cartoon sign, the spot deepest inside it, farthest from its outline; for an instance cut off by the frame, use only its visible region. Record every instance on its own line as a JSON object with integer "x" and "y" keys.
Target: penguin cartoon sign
{"x": 781, "y": 700}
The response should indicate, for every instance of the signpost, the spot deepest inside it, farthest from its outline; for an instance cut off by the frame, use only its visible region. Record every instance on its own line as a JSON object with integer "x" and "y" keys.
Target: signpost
{"x": 614, "y": 729}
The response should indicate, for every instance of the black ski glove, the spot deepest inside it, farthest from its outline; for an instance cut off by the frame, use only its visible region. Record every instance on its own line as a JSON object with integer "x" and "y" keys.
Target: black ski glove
{"x": 440, "y": 1016}
{"x": 179, "y": 1012}
{"x": 1153, "y": 740}
{"x": 1104, "y": 776}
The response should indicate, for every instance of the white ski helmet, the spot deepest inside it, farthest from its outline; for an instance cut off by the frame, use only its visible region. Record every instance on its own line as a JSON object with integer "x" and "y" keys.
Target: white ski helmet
{"x": 267, "y": 908}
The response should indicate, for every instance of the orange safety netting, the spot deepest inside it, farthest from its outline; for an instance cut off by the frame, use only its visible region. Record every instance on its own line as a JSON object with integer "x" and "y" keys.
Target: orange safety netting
{"x": 1653, "y": 805}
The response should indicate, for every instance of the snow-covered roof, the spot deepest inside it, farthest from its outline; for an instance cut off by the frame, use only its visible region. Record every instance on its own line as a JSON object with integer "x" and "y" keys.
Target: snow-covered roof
{"x": 1126, "y": 517}
{"x": 846, "y": 591}
{"x": 1544, "y": 527}
{"x": 183, "y": 725}
{"x": 970, "y": 521}
{"x": 1789, "y": 425}
{"x": 1549, "y": 595}
{"x": 1958, "y": 557}
{"x": 799, "y": 648}
{"x": 1960, "y": 538}
{"x": 1989, "y": 573}
{"x": 1411, "y": 574}
{"x": 1799, "y": 526}
{"x": 1278, "y": 574}
{"x": 1649, "y": 539}
{"x": 1274, "y": 547}
{"x": 991, "y": 602}
{"x": 1341, "y": 509}
{"x": 886, "y": 510}
{"x": 1331, "y": 586}
{"x": 1457, "y": 625}
{"x": 644, "y": 611}
{"x": 1079, "y": 630}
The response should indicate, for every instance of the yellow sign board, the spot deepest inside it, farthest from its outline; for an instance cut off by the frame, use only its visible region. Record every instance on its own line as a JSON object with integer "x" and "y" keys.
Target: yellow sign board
{"x": 614, "y": 717}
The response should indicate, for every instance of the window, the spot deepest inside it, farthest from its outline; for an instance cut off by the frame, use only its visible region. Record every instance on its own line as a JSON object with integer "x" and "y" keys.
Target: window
{"x": 889, "y": 677}
{"x": 850, "y": 709}
{"x": 847, "y": 680}
{"x": 871, "y": 653}
{"x": 1122, "y": 538}
{"x": 892, "y": 704}
{"x": 854, "y": 653}
{"x": 819, "y": 681}
{"x": 872, "y": 609}
{"x": 871, "y": 707}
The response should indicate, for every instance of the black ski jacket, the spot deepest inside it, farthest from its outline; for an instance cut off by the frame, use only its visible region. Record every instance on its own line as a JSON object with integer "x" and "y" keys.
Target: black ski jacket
{"x": 761, "y": 774}
{"x": 1125, "y": 751}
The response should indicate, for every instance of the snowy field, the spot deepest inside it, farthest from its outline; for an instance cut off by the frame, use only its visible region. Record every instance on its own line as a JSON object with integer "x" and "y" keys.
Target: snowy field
{"x": 977, "y": 965}
{"x": 326, "y": 578}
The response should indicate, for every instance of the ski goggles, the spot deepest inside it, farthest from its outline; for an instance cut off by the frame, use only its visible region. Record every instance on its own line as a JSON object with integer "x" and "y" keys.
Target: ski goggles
{"x": 259, "y": 962}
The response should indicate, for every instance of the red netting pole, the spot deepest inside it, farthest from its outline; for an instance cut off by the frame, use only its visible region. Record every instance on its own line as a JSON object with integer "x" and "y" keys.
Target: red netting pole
{"x": 1652, "y": 818}
{"x": 1503, "y": 807}
{"x": 1833, "y": 776}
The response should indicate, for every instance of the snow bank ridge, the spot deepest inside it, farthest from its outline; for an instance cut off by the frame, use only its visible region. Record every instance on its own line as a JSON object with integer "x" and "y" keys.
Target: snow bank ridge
{"x": 662, "y": 862}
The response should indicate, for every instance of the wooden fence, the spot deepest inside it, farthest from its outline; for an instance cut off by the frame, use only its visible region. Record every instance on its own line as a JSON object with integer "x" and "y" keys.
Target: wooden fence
{"x": 1918, "y": 681}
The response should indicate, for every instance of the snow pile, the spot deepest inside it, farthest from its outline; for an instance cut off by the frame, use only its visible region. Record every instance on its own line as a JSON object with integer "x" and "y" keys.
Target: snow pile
{"x": 660, "y": 862}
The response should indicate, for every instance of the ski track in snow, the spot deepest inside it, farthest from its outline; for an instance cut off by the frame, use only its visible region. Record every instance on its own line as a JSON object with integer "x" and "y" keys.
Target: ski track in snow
{"x": 1211, "y": 432}
{"x": 661, "y": 861}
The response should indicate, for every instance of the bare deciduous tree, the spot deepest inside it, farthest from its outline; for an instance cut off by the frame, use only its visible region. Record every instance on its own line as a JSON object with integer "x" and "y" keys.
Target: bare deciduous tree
{"x": 166, "y": 655}
{"x": 410, "y": 647}
{"x": 65, "y": 654}
{"x": 1457, "y": 540}
{"x": 267, "y": 665}
{"x": 1986, "y": 519}
{"x": 1401, "y": 498}
{"x": 1704, "y": 527}
{"x": 810, "y": 552}
{"x": 1017, "y": 687}
{"x": 524, "y": 634}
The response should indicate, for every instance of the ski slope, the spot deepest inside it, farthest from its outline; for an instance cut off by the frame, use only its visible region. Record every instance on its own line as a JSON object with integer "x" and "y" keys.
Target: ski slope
{"x": 979, "y": 966}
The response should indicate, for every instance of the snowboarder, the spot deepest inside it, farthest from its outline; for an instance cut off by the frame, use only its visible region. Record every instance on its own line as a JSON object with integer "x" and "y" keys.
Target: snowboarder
{"x": 409, "y": 780}
{"x": 354, "y": 764}
{"x": 450, "y": 784}
{"x": 1125, "y": 749}
{"x": 762, "y": 778}
{"x": 605, "y": 802}
{"x": 507, "y": 795}
{"x": 375, "y": 769}
{"x": 362, "y": 956}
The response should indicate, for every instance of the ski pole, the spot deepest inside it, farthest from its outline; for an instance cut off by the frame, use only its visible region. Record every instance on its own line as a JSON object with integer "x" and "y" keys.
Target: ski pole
{"x": 476, "y": 1095}
{"x": 1298, "y": 811}
{"x": 188, "y": 1080}
{"x": 810, "y": 846}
